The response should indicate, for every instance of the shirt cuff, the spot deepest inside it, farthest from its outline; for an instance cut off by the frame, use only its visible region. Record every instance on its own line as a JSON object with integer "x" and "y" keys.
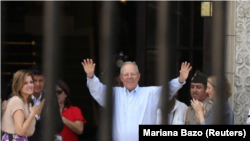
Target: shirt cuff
{"x": 203, "y": 123}
{"x": 91, "y": 78}
{"x": 37, "y": 117}
{"x": 177, "y": 82}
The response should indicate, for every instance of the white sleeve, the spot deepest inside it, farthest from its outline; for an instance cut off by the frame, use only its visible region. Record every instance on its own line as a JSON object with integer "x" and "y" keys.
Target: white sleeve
{"x": 37, "y": 117}
{"x": 248, "y": 118}
{"x": 97, "y": 90}
{"x": 174, "y": 86}
{"x": 158, "y": 117}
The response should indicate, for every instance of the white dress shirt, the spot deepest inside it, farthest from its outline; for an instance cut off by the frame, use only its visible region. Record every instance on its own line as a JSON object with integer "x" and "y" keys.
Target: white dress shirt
{"x": 37, "y": 102}
{"x": 176, "y": 116}
{"x": 248, "y": 118}
{"x": 131, "y": 108}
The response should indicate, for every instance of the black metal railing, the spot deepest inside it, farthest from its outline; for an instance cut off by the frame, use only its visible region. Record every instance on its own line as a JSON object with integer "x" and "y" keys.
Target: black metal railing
{"x": 163, "y": 38}
{"x": 218, "y": 58}
{"x": 51, "y": 64}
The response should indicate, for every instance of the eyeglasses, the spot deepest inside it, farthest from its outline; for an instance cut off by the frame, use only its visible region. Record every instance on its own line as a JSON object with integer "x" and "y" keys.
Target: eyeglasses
{"x": 59, "y": 91}
{"x": 127, "y": 74}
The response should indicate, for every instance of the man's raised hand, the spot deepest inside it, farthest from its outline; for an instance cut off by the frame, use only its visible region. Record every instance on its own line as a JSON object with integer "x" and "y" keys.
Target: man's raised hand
{"x": 89, "y": 67}
{"x": 185, "y": 69}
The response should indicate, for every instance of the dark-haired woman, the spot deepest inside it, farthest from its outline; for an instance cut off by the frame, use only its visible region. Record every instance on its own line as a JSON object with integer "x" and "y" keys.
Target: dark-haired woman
{"x": 71, "y": 115}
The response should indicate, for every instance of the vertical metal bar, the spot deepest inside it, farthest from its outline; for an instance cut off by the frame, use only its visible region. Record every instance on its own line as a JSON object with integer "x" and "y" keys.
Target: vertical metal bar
{"x": 191, "y": 25}
{"x": 207, "y": 55}
{"x": 218, "y": 52}
{"x": 50, "y": 64}
{"x": 178, "y": 43}
{"x": 163, "y": 40}
{"x": 107, "y": 40}
{"x": 141, "y": 39}
{"x": 1, "y": 46}
{"x": 191, "y": 43}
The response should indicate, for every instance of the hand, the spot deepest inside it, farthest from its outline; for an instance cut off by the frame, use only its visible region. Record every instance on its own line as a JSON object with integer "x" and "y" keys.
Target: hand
{"x": 40, "y": 108}
{"x": 4, "y": 106}
{"x": 198, "y": 107}
{"x": 63, "y": 119}
{"x": 33, "y": 109}
{"x": 89, "y": 67}
{"x": 185, "y": 69}
{"x": 61, "y": 106}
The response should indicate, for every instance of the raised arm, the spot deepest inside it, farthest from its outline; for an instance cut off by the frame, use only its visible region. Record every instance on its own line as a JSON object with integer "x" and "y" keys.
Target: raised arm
{"x": 96, "y": 88}
{"x": 89, "y": 67}
{"x": 177, "y": 83}
{"x": 185, "y": 69}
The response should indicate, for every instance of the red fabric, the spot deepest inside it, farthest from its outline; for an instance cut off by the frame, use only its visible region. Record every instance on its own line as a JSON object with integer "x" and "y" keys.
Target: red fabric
{"x": 73, "y": 114}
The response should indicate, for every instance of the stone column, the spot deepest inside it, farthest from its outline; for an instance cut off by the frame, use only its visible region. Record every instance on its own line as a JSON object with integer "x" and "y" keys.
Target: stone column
{"x": 238, "y": 57}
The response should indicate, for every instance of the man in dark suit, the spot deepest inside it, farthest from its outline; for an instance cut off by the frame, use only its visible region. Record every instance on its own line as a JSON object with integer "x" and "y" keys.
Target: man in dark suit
{"x": 38, "y": 99}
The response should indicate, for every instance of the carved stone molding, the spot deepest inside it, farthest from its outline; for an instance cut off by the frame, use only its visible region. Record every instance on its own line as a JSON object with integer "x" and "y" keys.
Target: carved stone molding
{"x": 242, "y": 62}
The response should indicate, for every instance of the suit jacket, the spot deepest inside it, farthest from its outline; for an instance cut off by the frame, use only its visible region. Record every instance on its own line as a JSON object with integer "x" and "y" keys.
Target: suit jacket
{"x": 227, "y": 114}
{"x": 50, "y": 119}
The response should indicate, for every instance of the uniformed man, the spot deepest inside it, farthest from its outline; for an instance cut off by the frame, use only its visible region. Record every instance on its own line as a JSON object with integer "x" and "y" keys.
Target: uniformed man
{"x": 198, "y": 91}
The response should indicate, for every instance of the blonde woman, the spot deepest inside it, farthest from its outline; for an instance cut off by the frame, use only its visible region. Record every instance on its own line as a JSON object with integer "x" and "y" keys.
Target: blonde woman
{"x": 227, "y": 113}
{"x": 18, "y": 120}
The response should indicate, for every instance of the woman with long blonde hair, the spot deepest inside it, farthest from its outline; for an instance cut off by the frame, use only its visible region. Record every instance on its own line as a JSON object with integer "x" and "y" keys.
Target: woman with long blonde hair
{"x": 227, "y": 112}
{"x": 18, "y": 120}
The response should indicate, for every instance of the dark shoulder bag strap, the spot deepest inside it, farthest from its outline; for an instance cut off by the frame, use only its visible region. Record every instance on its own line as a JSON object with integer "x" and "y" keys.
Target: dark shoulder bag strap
{"x": 10, "y": 137}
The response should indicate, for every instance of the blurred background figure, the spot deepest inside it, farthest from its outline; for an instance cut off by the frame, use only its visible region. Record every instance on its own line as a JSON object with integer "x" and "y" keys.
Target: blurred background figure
{"x": 248, "y": 118}
{"x": 177, "y": 113}
{"x": 71, "y": 115}
{"x": 118, "y": 82}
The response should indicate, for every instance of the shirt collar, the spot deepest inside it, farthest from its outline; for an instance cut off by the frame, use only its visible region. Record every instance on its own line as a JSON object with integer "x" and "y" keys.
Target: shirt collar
{"x": 133, "y": 91}
{"x": 34, "y": 98}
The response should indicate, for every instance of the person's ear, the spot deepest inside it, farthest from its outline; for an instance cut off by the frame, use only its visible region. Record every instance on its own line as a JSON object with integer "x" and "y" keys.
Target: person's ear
{"x": 120, "y": 76}
{"x": 139, "y": 75}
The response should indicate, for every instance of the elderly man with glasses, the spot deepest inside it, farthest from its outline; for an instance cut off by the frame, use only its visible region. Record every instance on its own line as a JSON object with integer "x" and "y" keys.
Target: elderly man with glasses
{"x": 133, "y": 105}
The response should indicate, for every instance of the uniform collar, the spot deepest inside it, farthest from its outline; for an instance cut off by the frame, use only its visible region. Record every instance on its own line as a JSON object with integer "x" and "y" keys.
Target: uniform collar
{"x": 207, "y": 100}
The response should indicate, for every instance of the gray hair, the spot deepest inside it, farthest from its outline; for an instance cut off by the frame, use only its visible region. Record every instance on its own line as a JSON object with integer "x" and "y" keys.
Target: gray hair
{"x": 129, "y": 62}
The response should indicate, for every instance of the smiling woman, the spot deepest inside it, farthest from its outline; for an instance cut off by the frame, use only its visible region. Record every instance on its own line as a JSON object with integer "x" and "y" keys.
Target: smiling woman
{"x": 18, "y": 121}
